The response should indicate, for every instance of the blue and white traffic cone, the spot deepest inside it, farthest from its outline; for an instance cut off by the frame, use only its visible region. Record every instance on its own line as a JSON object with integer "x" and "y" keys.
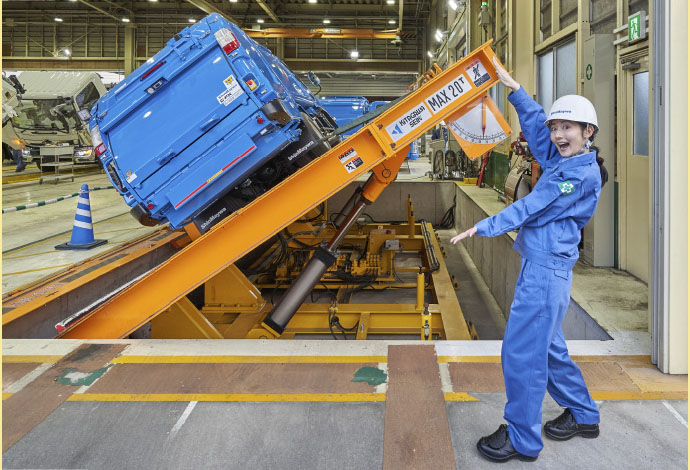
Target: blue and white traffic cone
{"x": 82, "y": 232}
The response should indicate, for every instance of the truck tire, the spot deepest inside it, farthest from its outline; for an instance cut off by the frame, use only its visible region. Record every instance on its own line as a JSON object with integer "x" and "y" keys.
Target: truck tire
{"x": 309, "y": 146}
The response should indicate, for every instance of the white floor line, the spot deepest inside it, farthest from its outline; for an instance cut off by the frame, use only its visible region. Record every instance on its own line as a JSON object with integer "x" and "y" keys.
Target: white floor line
{"x": 28, "y": 378}
{"x": 182, "y": 420}
{"x": 677, "y": 415}
{"x": 383, "y": 388}
{"x": 446, "y": 383}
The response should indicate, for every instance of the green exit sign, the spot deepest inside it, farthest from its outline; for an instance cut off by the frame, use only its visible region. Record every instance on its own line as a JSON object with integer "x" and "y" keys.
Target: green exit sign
{"x": 636, "y": 26}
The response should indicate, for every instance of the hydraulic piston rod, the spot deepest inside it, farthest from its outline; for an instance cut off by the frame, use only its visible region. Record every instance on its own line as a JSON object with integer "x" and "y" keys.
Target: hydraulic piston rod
{"x": 323, "y": 258}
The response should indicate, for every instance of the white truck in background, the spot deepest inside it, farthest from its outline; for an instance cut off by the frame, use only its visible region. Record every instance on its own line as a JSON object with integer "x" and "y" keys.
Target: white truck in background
{"x": 46, "y": 124}
{"x": 10, "y": 102}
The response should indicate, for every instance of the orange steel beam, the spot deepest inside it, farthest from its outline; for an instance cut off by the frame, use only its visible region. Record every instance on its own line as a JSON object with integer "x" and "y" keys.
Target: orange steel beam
{"x": 33, "y": 310}
{"x": 331, "y": 33}
{"x": 247, "y": 228}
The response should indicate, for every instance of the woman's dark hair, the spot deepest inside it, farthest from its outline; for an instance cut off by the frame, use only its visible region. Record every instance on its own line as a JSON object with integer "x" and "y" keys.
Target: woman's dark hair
{"x": 600, "y": 160}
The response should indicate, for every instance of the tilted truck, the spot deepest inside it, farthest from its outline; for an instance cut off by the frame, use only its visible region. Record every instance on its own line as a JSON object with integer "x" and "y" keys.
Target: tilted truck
{"x": 47, "y": 116}
{"x": 205, "y": 126}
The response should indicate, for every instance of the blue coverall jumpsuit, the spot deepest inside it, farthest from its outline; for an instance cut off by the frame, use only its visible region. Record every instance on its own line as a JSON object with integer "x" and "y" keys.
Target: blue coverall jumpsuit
{"x": 534, "y": 355}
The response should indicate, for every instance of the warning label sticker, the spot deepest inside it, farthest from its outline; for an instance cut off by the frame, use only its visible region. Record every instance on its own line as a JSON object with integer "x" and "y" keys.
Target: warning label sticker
{"x": 354, "y": 164}
{"x": 232, "y": 91}
{"x": 448, "y": 94}
{"x": 408, "y": 123}
{"x": 347, "y": 155}
{"x": 477, "y": 73}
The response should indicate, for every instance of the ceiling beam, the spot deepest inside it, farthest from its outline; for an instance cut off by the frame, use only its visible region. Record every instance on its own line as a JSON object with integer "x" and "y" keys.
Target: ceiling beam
{"x": 49, "y": 63}
{"x": 348, "y": 65}
{"x": 268, "y": 10}
{"x": 205, "y": 6}
{"x": 324, "y": 33}
{"x": 91, "y": 5}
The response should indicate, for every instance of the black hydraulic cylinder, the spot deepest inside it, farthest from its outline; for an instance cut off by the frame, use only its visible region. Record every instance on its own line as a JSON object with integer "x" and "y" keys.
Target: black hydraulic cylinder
{"x": 323, "y": 258}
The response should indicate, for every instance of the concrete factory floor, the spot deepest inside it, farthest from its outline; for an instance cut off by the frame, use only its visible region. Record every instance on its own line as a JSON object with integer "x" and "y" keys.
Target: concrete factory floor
{"x": 239, "y": 404}
{"x": 308, "y": 404}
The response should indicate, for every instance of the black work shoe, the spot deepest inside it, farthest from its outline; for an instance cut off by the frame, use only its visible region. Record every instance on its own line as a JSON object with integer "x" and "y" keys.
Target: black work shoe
{"x": 564, "y": 427}
{"x": 498, "y": 448}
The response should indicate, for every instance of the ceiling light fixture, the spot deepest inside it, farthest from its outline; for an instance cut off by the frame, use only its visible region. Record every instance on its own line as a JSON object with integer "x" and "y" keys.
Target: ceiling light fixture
{"x": 191, "y": 20}
{"x": 453, "y": 4}
{"x": 312, "y": 1}
{"x": 430, "y": 54}
{"x": 390, "y": 2}
{"x": 326, "y": 21}
{"x": 260, "y": 20}
{"x": 59, "y": 20}
{"x": 67, "y": 52}
{"x": 354, "y": 55}
{"x": 439, "y": 35}
{"x": 125, "y": 20}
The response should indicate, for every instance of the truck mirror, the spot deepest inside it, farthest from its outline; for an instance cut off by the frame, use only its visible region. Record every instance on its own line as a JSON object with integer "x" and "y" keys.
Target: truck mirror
{"x": 313, "y": 78}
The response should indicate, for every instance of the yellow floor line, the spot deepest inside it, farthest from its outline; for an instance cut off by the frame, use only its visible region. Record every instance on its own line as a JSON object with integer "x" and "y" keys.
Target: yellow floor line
{"x": 620, "y": 396}
{"x": 459, "y": 396}
{"x": 491, "y": 359}
{"x": 248, "y": 359}
{"x": 37, "y": 269}
{"x": 497, "y": 359}
{"x": 328, "y": 397}
{"x": 39, "y": 359}
{"x": 236, "y": 397}
{"x": 62, "y": 235}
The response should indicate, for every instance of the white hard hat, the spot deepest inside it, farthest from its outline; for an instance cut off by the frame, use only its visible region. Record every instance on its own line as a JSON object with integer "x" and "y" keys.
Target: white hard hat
{"x": 573, "y": 108}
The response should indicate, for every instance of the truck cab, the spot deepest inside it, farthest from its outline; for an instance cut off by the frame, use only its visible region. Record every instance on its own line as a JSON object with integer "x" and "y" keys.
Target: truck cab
{"x": 47, "y": 116}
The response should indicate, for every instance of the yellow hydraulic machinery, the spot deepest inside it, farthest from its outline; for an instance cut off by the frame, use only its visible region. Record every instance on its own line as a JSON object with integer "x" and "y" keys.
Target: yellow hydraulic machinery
{"x": 380, "y": 147}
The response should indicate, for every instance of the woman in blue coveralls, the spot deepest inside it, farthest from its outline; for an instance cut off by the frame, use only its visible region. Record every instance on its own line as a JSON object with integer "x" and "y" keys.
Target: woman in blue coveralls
{"x": 534, "y": 355}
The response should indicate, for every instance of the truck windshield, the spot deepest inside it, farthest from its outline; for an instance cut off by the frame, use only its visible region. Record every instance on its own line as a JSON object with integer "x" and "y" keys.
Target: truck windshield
{"x": 45, "y": 114}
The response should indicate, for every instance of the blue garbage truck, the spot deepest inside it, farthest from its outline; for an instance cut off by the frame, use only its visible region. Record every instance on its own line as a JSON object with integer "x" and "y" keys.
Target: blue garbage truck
{"x": 206, "y": 125}
{"x": 345, "y": 109}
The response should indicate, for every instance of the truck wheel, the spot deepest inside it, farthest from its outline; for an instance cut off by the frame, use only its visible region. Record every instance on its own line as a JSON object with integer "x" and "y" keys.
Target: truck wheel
{"x": 309, "y": 145}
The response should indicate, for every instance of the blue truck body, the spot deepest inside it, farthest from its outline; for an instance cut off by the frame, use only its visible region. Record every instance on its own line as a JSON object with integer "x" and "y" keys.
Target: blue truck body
{"x": 345, "y": 109}
{"x": 192, "y": 134}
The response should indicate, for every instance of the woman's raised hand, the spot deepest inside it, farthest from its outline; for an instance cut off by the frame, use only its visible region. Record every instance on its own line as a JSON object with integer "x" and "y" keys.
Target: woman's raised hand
{"x": 466, "y": 234}
{"x": 505, "y": 78}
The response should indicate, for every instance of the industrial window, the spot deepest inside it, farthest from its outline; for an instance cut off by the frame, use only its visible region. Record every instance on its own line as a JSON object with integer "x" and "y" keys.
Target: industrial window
{"x": 641, "y": 113}
{"x": 557, "y": 74}
{"x": 545, "y": 81}
{"x": 602, "y": 16}
{"x": 545, "y": 19}
{"x": 568, "y": 14}
{"x": 497, "y": 95}
{"x": 636, "y": 5}
{"x": 87, "y": 97}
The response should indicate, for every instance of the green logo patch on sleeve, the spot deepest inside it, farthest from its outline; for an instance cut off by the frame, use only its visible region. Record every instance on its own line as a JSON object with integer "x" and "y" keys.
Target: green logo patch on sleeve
{"x": 566, "y": 187}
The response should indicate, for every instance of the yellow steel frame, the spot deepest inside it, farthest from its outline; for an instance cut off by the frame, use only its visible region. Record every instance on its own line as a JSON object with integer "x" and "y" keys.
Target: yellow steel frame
{"x": 250, "y": 226}
{"x": 234, "y": 307}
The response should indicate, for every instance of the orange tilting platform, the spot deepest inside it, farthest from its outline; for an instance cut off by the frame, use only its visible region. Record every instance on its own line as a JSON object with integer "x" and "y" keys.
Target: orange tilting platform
{"x": 379, "y": 147}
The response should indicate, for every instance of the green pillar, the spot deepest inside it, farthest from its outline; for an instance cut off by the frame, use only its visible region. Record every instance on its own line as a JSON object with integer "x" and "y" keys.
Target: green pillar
{"x": 130, "y": 49}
